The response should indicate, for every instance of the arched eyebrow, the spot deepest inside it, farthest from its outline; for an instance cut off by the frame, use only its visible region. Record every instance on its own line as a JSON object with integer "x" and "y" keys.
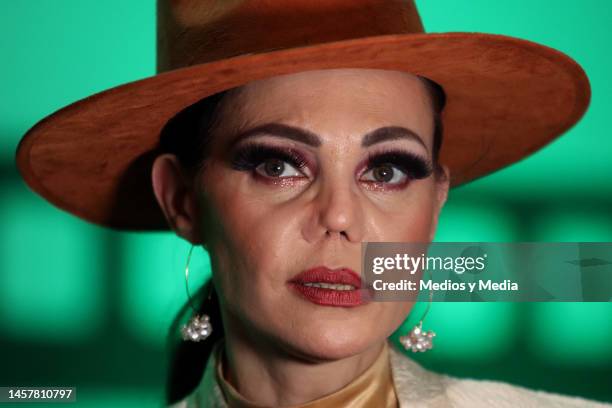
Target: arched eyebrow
{"x": 386, "y": 133}
{"x": 307, "y": 137}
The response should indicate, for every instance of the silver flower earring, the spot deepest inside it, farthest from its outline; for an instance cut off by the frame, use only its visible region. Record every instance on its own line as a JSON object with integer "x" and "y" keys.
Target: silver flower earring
{"x": 417, "y": 339}
{"x": 198, "y": 328}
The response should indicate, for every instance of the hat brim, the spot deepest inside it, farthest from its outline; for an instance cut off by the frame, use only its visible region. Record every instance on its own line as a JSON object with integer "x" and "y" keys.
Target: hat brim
{"x": 506, "y": 98}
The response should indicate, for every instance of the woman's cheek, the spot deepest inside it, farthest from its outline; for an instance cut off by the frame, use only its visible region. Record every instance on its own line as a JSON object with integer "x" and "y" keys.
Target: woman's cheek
{"x": 412, "y": 224}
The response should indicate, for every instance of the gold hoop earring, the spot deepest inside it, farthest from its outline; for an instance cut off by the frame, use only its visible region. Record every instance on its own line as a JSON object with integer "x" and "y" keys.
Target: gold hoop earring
{"x": 198, "y": 328}
{"x": 416, "y": 339}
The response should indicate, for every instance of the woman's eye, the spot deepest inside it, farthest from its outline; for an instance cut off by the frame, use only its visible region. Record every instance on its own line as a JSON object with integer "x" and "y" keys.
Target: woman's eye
{"x": 277, "y": 168}
{"x": 386, "y": 173}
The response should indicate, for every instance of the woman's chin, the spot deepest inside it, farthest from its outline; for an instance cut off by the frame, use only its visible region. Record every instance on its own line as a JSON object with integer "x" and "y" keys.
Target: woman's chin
{"x": 331, "y": 344}
{"x": 317, "y": 333}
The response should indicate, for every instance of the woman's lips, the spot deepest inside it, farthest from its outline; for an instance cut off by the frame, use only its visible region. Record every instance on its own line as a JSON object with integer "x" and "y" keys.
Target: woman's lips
{"x": 337, "y": 295}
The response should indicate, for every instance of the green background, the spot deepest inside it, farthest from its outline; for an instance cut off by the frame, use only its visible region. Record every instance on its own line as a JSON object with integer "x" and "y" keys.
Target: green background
{"x": 88, "y": 307}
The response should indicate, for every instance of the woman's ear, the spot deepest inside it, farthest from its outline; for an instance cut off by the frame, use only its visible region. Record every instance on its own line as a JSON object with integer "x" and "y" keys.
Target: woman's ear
{"x": 175, "y": 197}
{"x": 442, "y": 186}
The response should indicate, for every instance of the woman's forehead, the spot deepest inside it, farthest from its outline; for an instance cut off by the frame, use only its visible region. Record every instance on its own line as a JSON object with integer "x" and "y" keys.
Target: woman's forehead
{"x": 349, "y": 102}
{"x": 348, "y": 86}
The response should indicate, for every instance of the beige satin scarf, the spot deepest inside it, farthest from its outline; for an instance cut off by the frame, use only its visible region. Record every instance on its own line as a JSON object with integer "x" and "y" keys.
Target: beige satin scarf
{"x": 373, "y": 388}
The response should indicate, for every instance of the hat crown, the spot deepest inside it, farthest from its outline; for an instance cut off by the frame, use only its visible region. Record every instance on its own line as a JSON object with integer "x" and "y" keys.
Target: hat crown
{"x": 191, "y": 32}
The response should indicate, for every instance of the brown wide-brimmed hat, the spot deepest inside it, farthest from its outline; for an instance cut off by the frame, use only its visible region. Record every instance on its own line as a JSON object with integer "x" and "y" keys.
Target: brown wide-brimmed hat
{"x": 505, "y": 97}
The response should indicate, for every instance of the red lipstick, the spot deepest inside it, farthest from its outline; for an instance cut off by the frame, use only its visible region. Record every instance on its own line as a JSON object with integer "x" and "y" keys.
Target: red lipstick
{"x": 326, "y": 296}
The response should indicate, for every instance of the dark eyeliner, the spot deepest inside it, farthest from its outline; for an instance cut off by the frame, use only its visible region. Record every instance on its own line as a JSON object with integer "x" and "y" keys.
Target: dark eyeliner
{"x": 412, "y": 164}
{"x": 251, "y": 155}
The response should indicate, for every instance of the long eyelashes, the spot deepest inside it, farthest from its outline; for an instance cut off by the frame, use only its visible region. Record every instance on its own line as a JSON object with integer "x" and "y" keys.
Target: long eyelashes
{"x": 412, "y": 164}
{"x": 250, "y": 156}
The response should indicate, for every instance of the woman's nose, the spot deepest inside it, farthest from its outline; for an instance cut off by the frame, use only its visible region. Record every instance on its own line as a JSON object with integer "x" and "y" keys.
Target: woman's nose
{"x": 339, "y": 212}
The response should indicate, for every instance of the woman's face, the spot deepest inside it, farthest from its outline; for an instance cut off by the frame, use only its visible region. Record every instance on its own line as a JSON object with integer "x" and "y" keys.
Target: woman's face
{"x": 267, "y": 216}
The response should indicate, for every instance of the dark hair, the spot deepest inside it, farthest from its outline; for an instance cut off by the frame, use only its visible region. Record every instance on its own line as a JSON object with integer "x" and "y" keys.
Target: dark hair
{"x": 187, "y": 360}
{"x": 437, "y": 97}
{"x": 186, "y": 136}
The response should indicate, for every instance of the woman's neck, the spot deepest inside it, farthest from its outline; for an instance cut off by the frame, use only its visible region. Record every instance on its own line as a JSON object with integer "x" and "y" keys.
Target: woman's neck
{"x": 270, "y": 376}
